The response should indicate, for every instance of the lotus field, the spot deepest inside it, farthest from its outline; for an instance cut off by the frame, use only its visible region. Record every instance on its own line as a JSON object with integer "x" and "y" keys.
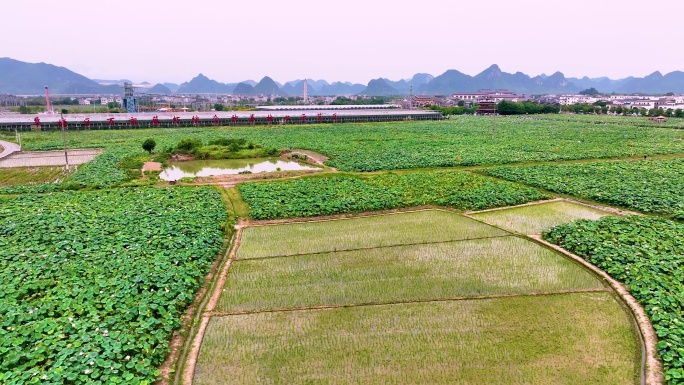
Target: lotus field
{"x": 647, "y": 254}
{"x": 350, "y": 194}
{"x": 92, "y": 284}
{"x": 651, "y": 186}
{"x": 460, "y": 141}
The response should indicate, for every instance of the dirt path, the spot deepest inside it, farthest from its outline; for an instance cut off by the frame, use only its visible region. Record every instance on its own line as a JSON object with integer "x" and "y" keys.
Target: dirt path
{"x": 194, "y": 348}
{"x": 313, "y": 156}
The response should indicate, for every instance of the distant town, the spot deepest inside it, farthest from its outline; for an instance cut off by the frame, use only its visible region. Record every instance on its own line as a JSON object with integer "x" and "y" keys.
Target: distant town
{"x": 665, "y": 105}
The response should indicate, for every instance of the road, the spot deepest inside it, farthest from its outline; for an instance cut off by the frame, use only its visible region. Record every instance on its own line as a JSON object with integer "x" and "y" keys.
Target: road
{"x": 8, "y": 148}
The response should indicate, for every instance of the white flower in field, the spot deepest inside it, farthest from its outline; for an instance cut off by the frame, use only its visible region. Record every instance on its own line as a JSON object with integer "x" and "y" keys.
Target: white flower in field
{"x": 44, "y": 377}
{"x": 92, "y": 363}
{"x": 87, "y": 371}
{"x": 30, "y": 311}
{"x": 80, "y": 354}
{"x": 128, "y": 358}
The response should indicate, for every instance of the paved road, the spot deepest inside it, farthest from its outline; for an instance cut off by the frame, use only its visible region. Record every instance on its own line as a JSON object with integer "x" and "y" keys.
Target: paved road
{"x": 8, "y": 148}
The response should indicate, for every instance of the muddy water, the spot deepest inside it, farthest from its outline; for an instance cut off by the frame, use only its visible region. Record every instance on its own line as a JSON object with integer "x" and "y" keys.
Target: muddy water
{"x": 228, "y": 166}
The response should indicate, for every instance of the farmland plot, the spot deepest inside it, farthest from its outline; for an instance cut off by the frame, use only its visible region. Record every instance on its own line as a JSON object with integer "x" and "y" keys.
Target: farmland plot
{"x": 652, "y": 186}
{"x": 498, "y": 309}
{"x": 534, "y": 218}
{"x": 348, "y": 234}
{"x": 92, "y": 284}
{"x": 568, "y": 338}
{"x": 502, "y": 265}
{"x": 645, "y": 254}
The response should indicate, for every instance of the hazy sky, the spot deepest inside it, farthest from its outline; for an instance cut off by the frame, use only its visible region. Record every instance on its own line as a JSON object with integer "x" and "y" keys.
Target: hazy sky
{"x": 349, "y": 40}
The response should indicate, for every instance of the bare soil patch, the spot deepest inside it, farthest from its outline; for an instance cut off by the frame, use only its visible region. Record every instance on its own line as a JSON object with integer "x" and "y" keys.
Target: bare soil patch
{"x": 152, "y": 166}
{"x": 181, "y": 158}
{"x": 311, "y": 157}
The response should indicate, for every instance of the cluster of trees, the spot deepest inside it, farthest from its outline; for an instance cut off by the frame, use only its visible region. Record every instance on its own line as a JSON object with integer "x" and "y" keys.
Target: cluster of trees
{"x": 603, "y": 108}
{"x": 460, "y": 110}
{"x": 525, "y": 107}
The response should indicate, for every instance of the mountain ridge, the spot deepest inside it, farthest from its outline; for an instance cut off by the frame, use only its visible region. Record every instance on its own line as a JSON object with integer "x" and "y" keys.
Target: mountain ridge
{"x": 22, "y": 78}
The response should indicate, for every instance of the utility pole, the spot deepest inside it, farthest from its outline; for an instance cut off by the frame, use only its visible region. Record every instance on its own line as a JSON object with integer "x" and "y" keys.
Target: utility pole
{"x": 16, "y": 132}
{"x": 66, "y": 156}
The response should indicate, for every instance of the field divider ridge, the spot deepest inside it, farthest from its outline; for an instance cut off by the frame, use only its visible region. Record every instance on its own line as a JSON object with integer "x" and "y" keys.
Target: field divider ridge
{"x": 208, "y": 304}
{"x": 347, "y": 216}
{"x": 408, "y": 301}
{"x": 509, "y": 234}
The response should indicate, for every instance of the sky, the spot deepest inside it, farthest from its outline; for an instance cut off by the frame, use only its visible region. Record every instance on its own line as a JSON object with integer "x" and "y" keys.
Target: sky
{"x": 350, "y": 40}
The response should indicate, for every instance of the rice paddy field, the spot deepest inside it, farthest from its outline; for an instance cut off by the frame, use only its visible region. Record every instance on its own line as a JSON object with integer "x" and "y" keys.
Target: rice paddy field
{"x": 350, "y": 234}
{"x": 470, "y": 304}
{"x": 534, "y": 218}
{"x": 570, "y": 339}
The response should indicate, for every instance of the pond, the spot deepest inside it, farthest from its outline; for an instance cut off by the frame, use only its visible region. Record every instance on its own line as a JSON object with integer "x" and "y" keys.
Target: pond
{"x": 197, "y": 168}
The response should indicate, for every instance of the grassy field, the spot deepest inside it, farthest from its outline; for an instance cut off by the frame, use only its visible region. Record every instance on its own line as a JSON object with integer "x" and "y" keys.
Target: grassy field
{"x": 570, "y": 338}
{"x": 501, "y": 265}
{"x": 533, "y": 219}
{"x": 31, "y": 175}
{"x": 357, "y": 233}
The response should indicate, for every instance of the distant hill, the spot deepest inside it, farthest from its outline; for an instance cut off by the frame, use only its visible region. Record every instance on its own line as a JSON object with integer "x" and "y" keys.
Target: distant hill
{"x": 267, "y": 86}
{"x": 201, "y": 84}
{"x": 603, "y": 84}
{"x": 655, "y": 83}
{"x": 379, "y": 87}
{"x": 453, "y": 81}
{"x": 172, "y": 86}
{"x": 243, "y": 89}
{"x": 160, "y": 89}
{"x": 447, "y": 83}
{"x": 21, "y": 78}
{"x": 340, "y": 88}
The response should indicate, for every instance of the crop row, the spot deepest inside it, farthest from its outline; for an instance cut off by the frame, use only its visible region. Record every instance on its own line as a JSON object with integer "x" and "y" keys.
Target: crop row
{"x": 348, "y": 194}
{"x": 647, "y": 255}
{"x": 649, "y": 186}
{"x": 92, "y": 284}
